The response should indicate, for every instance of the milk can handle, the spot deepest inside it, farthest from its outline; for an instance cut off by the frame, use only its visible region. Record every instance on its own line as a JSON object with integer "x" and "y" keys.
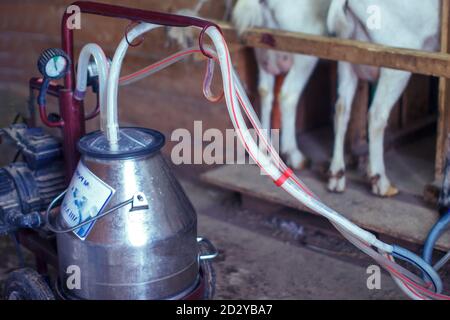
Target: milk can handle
{"x": 212, "y": 254}
{"x": 100, "y": 215}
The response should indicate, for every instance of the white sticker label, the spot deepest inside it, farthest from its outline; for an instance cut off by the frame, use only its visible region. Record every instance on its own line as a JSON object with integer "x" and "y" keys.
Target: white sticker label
{"x": 86, "y": 197}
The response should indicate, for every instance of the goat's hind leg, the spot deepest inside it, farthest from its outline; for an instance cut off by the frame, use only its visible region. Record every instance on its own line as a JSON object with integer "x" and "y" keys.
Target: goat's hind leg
{"x": 266, "y": 86}
{"x": 348, "y": 83}
{"x": 293, "y": 87}
{"x": 391, "y": 85}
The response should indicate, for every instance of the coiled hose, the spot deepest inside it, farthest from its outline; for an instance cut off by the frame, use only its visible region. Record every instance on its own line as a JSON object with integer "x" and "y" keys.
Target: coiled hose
{"x": 439, "y": 228}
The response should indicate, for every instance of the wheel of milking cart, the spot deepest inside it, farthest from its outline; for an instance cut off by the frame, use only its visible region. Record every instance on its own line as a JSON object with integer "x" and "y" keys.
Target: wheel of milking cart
{"x": 26, "y": 284}
{"x": 209, "y": 275}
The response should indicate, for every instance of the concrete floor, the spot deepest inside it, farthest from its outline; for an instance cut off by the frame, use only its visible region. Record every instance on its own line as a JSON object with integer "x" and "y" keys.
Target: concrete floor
{"x": 253, "y": 266}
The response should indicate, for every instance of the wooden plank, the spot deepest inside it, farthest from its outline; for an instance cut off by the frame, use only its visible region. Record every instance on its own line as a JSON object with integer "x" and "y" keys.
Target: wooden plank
{"x": 444, "y": 96}
{"x": 420, "y": 62}
{"x": 407, "y": 220}
{"x": 432, "y": 190}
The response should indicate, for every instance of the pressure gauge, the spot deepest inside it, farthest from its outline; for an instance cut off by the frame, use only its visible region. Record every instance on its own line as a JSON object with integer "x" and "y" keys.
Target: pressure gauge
{"x": 54, "y": 64}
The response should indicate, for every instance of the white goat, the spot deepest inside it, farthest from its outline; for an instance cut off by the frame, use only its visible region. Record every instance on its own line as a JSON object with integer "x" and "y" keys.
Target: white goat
{"x": 184, "y": 37}
{"x": 410, "y": 24}
{"x": 308, "y": 16}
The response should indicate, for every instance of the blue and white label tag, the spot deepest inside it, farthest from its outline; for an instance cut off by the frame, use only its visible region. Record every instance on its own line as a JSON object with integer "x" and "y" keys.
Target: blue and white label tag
{"x": 86, "y": 197}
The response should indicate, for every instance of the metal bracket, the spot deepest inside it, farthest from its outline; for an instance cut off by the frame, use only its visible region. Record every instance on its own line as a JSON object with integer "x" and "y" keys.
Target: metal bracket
{"x": 140, "y": 202}
{"x": 213, "y": 252}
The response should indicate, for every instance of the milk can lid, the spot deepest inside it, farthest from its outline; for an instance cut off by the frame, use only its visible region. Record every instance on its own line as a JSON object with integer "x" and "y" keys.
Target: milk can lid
{"x": 133, "y": 142}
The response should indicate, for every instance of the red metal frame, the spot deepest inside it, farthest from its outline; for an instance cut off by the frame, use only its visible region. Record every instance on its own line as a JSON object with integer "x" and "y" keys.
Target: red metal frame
{"x": 71, "y": 110}
{"x": 53, "y": 89}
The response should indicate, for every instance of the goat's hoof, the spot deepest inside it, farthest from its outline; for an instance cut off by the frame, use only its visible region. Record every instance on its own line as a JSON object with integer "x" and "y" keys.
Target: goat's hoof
{"x": 382, "y": 187}
{"x": 297, "y": 161}
{"x": 337, "y": 181}
{"x": 389, "y": 193}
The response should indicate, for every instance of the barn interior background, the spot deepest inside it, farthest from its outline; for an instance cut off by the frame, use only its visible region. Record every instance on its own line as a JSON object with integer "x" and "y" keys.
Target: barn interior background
{"x": 416, "y": 142}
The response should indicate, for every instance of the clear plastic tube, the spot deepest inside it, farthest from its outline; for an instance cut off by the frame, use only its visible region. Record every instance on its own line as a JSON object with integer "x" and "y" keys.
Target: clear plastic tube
{"x": 156, "y": 67}
{"x": 207, "y": 82}
{"x": 167, "y": 62}
{"x": 112, "y": 127}
{"x": 101, "y": 61}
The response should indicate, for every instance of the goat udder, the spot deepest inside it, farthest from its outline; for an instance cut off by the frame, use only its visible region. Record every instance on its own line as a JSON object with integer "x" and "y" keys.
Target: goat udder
{"x": 285, "y": 62}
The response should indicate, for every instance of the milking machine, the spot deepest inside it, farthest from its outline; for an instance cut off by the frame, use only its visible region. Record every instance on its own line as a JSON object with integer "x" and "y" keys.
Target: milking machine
{"x": 116, "y": 223}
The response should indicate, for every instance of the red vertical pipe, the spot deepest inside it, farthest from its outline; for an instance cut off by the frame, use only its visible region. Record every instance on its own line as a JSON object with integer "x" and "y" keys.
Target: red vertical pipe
{"x": 72, "y": 111}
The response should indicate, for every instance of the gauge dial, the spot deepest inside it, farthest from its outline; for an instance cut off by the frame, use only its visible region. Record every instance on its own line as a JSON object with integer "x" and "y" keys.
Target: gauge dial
{"x": 54, "y": 63}
{"x": 55, "y": 67}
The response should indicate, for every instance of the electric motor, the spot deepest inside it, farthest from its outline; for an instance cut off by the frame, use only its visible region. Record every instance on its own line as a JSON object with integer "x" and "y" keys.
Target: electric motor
{"x": 26, "y": 188}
